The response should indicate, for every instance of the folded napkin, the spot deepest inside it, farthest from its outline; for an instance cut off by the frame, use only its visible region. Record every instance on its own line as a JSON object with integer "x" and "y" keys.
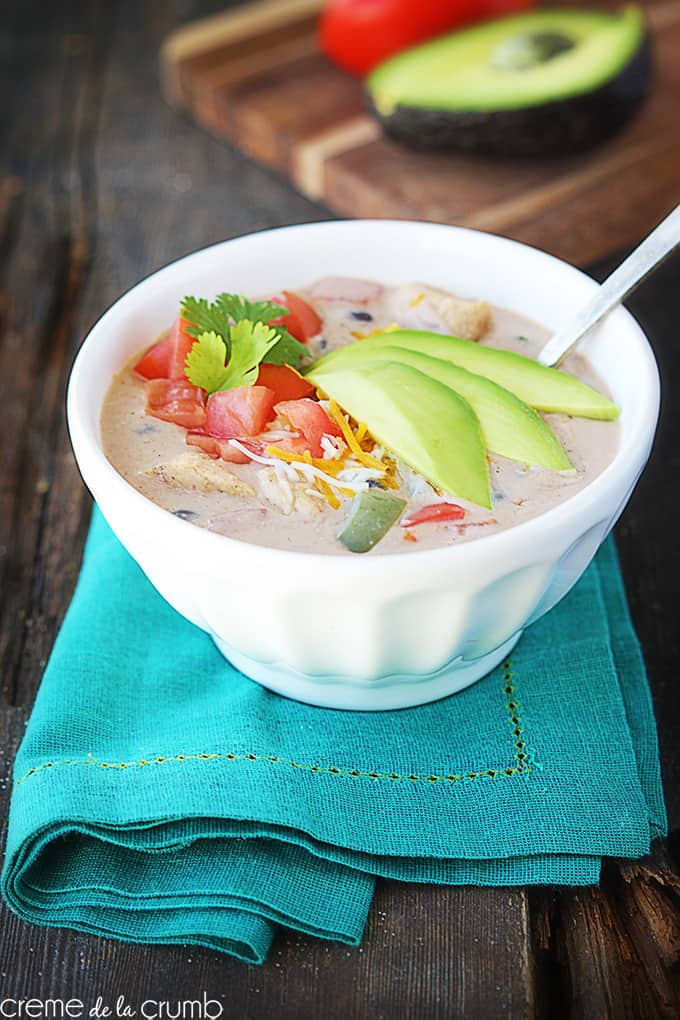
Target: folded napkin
{"x": 160, "y": 796}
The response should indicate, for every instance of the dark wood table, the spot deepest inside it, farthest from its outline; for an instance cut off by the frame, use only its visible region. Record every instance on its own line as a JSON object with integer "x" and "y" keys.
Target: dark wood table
{"x": 101, "y": 183}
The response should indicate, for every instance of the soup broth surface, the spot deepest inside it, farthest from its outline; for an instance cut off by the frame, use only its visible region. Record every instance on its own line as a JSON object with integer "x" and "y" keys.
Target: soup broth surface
{"x": 261, "y": 508}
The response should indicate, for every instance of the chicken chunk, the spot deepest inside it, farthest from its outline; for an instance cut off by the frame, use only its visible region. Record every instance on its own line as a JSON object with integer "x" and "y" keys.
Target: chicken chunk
{"x": 197, "y": 472}
{"x": 419, "y": 307}
{"x": 468, "y": 319}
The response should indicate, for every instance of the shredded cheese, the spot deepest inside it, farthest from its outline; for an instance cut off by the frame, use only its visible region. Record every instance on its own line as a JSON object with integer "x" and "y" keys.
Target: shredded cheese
{"x": 309, "y": 468}
{"x": 344, "y": 474}
{"x": 358, "y": 335}
{"x": 365, "y": 458}
{"x": 326, "y": 490}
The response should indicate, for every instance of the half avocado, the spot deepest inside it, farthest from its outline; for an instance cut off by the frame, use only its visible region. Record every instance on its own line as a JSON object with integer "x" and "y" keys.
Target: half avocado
{"x": 542, "y": 83}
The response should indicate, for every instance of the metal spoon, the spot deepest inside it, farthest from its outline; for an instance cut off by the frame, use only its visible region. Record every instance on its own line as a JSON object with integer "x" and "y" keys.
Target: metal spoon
{"x": 639, "y": 264}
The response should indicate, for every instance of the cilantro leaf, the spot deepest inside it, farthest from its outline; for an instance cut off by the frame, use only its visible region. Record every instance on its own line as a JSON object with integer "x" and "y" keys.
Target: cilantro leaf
{"x": 205, "y": 362}
{"x": 237, "y": 307}
{"x": 203, "y": 316}
{"x": 219, "y": 315}
{"x": 227, "y": 355}
{"x": 287, "y": 350}
{"x": 249, "y": 343}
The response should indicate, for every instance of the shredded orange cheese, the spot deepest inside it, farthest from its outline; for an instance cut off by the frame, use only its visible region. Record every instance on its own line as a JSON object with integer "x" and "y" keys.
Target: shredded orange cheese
{"x": 331, "y": 498}
{"x": 358, "y": 335}
{"x": 352, "y": 441}
{"x": 329, "y": 467}
{"x": 416, "y": 300}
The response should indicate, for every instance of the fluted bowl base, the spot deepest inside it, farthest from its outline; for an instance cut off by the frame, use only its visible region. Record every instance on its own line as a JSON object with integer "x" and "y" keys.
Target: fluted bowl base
{"x": 389, "y": 692}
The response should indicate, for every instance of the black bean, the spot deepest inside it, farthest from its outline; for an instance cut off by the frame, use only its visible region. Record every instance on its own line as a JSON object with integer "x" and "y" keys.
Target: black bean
{"x": 361, "y": 316}
{"x": 144, "y": 430}
{"x": 323, "y": 343}
{"x": 185, "y": 515}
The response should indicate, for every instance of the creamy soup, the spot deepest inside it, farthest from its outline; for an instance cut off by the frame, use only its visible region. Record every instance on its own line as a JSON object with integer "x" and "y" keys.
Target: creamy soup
{"x": 269, "y": 502}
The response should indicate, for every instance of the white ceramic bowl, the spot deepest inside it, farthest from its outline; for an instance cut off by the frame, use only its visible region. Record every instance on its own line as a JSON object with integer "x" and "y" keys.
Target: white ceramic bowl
{"x": 367, "y": 632}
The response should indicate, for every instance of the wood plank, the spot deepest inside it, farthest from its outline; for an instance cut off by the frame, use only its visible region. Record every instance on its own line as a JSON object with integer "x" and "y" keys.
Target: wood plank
{"x": 205, "y": 45}
{"x": 617, "y": 946}
{"x": 286, "y": 106}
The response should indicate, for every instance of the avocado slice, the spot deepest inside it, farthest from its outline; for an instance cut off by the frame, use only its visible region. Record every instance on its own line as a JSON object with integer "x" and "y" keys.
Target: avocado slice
{"x": 423, "y": 422}
{"x": 510, "y": 427}
{"x": 545, "y": 389}
{"x": 541, "y": 83}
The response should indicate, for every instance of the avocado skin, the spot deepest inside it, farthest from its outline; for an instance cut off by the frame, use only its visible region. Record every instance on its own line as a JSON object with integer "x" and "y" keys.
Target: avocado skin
{"x": 556, "y": 128}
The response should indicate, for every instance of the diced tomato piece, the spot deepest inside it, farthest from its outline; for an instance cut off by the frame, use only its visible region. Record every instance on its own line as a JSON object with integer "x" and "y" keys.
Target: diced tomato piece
{"x": 308, "y": 417}
{"x": 286, "y": 383}
{"x": 179, "y": 348}
{"x": 302, "y": 322}
{"x": 176, "y": 400}
{"x": 166, "y": 359}
{"x": 434, "y": 512}
{"x": 241, "y": 411}
{"x": 156, "y": 362}
{"x": 223, "y": 448}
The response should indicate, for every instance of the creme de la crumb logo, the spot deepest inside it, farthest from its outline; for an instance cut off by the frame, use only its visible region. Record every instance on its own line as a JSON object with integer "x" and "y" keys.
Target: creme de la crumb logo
{"x": 76, "y": 1009}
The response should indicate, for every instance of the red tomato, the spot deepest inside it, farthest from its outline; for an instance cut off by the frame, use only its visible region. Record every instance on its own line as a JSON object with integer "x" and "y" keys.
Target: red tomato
{"x": 302, "y": 322}
{"x": 308, "y": 417}
{"x": 434, "y": 512}
{"x": 286, "y": 383}
{"x": 241, "y": 411}
{"x": 358, "y": 34}
{"x": 179, "y": 348}
{"x": 165, "y": 360}
{"x": 156, "y": 362}
{"x": 176, "y": 400}
{"x": 222, "y": 447}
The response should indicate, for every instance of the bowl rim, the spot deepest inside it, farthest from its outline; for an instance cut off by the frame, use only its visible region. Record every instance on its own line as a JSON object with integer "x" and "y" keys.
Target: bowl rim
{"x": 87, "y": 447}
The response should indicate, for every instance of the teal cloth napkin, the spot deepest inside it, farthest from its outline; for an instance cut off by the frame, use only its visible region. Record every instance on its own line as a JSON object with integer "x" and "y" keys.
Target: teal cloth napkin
{"x": 160, "y": 796}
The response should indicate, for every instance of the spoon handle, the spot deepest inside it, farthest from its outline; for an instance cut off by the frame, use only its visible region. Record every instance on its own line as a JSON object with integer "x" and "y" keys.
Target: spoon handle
{"x": 616, "y": 287}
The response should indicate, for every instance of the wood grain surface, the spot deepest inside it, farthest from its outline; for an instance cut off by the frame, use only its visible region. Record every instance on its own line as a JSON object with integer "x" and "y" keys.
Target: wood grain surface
{"x": 101, "y": 183}
{"x": 257, "y": 78}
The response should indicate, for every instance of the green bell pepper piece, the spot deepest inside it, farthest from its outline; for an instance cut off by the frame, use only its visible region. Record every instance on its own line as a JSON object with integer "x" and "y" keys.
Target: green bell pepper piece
{"x": 374, "y": 514}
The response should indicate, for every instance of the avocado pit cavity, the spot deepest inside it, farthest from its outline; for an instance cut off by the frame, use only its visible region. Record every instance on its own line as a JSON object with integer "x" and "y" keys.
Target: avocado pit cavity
{"x": 522, "y": 52}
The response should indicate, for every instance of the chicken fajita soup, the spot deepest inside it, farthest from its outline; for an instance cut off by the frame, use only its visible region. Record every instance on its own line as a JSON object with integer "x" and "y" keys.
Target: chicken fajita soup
{"x": 352, "y": 417}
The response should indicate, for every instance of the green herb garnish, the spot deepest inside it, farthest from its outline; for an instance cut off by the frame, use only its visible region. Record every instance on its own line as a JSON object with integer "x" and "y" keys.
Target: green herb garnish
{"x": 249, "y": 343}
{"x": 286, "y": 351}
{"x": 226, "y": 310}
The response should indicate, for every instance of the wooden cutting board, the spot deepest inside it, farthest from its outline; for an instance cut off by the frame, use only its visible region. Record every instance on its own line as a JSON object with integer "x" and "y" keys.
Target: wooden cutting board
{"x": 255, "y": 77}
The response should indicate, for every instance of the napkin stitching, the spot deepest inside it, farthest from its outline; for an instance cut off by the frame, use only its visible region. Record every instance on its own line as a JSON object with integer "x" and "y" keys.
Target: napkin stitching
{"x": 521, "y": 754}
